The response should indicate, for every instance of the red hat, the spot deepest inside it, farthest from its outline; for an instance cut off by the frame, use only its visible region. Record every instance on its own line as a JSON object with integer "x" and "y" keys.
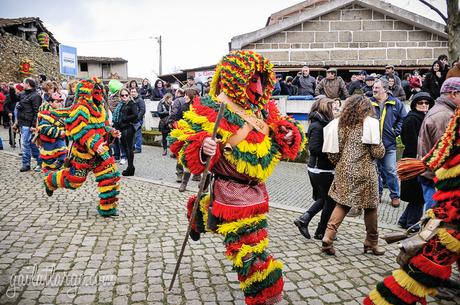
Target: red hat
{"x": 19, "y": 87}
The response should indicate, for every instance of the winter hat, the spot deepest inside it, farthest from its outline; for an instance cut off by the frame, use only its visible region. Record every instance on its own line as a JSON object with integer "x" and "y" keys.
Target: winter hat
{"x": 369, "y": 77}
{"x": 451, "y": 84}
{"x": 421, "y": 96}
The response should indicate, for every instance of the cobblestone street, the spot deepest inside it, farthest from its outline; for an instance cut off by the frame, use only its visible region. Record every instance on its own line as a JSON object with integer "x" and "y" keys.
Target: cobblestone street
{"x": 289, "y": 186}
{"x": 59, "y": 251}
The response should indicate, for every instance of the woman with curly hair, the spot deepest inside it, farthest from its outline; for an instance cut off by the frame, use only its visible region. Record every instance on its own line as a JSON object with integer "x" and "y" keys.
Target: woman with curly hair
{"x": 355, "y": 182}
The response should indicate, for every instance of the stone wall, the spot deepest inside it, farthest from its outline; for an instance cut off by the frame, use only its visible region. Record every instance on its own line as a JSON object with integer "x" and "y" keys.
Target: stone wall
{"x": 352, "y": 35}
{"x": 14, "y": 49}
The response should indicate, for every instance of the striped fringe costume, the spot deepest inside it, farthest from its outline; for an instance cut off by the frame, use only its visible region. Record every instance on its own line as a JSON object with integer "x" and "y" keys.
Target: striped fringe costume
{"x": 433, "y": 265}
{"x": 242, "y": 216}
{"x": 53, "y": 149}
{"x": 88, "y": 127}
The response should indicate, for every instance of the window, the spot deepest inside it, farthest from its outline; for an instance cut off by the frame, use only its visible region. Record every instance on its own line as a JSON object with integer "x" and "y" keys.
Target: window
{"x": 84, "y": 67}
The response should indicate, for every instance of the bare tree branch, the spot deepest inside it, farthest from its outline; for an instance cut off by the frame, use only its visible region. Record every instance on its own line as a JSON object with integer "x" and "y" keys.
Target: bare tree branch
{"x": 435, "y": 9}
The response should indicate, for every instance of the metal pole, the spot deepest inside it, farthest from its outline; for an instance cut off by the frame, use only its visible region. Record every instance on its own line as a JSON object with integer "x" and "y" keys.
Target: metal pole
{"x": 160, "y": 65}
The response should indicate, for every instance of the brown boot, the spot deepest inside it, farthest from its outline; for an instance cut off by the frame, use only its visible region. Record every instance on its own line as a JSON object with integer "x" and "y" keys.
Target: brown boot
{"x": 328, "y": 248}
{"x": 372, "y": 235}
{"x": 184, "y": 183}
{"x": 336, "y": 219}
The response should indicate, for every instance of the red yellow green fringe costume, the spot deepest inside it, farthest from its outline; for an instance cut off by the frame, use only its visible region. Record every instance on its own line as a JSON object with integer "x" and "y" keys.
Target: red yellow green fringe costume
{"x": 53, "y": 149}
{"x": 433, "y": 264}
{"x": 88, "y": 127}
{"x": 240, "y": 207}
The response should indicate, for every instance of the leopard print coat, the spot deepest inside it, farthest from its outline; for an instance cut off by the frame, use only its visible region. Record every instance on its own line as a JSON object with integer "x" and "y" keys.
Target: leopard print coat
{"x": 356, "y": 178}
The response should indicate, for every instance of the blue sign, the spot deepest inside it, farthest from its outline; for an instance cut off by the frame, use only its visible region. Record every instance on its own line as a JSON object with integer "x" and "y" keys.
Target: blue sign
{"x": 68, "y": 63}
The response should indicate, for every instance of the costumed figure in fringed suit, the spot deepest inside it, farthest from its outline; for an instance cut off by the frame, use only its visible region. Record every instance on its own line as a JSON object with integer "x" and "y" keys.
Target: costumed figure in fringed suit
{"x": 53, "y": 148}
{"x": 252, "y": 138}
{"x": 88, "y": 128}
{"x": 430, "y": 266}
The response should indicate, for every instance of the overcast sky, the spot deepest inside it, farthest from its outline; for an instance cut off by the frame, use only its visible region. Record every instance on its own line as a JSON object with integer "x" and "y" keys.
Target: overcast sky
{"x": 194, "y": 33}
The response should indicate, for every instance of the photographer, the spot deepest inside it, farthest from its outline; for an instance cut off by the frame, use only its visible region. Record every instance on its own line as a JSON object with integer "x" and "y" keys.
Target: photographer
{"x": 305, "y": 82}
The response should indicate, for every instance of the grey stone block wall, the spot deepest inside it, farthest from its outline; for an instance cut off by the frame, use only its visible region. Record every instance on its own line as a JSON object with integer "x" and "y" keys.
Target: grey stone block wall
{"x": 353, "y": 36}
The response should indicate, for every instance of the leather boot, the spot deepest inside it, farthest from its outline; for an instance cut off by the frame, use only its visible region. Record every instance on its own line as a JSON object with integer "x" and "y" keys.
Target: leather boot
{"x": 129, "y": 171}
{"x": 184, "y": 183}
{"x": 337, "y": 216}
{"x": 302, "y": 224}
{"x": 372, "y": 235}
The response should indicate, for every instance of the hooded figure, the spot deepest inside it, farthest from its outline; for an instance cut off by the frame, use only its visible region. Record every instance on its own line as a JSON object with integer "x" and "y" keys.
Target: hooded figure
{"x": 253, "y": 138}
{"x": 87, "y": 126}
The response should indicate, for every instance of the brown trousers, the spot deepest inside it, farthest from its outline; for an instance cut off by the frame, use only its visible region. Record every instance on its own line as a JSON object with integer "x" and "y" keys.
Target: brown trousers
{"x": 339, "y": 213}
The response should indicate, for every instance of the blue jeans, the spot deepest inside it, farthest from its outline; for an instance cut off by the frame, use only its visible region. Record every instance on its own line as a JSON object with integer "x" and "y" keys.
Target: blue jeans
{"x": 428, "y": 192}
{"x": 138, "y": 136}
{"x": 28, "y": 148}
{"x": 118, "y": 150}
{"x": 411, "y": 215}
{"x": 387, "y": 167}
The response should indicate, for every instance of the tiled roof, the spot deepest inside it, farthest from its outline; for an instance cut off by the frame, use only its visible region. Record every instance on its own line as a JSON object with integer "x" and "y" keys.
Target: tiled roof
{"x": 8, "y": 22}
{"x": 101, "y": 59}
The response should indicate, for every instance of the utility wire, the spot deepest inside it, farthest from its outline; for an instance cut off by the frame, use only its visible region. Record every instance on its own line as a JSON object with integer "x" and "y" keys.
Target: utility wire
{"x": 108, "y": 41}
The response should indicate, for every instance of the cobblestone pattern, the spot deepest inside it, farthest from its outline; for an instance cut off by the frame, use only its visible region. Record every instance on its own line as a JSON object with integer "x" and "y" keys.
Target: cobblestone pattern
{"x": 62, "y": 239}
{"x": 289, "y": 186}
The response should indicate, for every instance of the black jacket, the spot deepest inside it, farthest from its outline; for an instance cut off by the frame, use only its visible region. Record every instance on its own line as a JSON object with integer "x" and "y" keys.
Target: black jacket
{"x": 158, "y": 94}
{"x": 356, "y": 87}
{"x": 432, "y": 84}
{"x": 288, "y": 89}
{"x": 367, "y": 90}
{"x": 146, "y": 92}
{"x": 318, "y": 159}
{"x": 411, "y": 190}
{"x": 128, "y": 115}
{"x": 163, "y": 112}
{"x": 140, "y": 103}
{"x": 27, "y": 106}
{"x": 10, "y": 102}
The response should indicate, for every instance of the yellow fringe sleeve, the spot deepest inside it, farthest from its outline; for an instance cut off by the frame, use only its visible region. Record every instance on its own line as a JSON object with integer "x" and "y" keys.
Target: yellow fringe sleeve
{"x": 411, "y": 285}
{"x": 451, "y": 243}
{"x": 377, "y": 299}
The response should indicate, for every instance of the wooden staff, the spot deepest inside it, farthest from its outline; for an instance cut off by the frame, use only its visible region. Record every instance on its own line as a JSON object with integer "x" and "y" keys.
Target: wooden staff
{"x": 220, "y": 114}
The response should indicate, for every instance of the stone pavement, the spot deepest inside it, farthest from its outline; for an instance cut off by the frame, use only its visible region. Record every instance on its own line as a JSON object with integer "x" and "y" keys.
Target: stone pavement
{"x": 59, "y": 251}
{"x": 289, "y": 186}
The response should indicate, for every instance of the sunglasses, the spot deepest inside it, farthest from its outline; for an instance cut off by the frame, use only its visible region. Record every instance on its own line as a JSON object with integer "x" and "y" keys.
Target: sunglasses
{"x": 124, "y": 95}
{"x": 423, "y": 103}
